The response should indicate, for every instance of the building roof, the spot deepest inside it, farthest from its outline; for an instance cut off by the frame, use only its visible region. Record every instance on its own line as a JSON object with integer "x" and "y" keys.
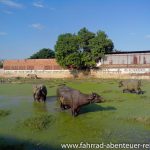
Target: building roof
{"x": 32, "y": 64}
{"x": 130, "y": 52}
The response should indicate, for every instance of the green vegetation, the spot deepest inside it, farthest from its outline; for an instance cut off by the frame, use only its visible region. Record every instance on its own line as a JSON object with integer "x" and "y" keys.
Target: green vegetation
{"x": 122, "y": 118}
{"x": 4, "y": 113}
{"x": 43, "y": 54}
{"x": 1, "y": 64}
{"x": 39, "y": 122}
{"x": 82, "y": 50}
{"x": 139, "y": 119}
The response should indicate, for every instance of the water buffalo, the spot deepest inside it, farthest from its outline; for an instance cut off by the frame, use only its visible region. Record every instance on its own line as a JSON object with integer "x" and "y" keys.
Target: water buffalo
{"x": 74, "y": 99}
{"x": 32, "y": 76}
{"x": 132, "y": 86}
{"x": 39, "y": 93}
{"x": 64, "y": 92}
{"x": 2, "y": 81}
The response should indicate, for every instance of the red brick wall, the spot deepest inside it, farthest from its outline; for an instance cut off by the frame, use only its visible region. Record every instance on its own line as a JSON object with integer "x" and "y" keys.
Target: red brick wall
{"x": 31, "y": 64}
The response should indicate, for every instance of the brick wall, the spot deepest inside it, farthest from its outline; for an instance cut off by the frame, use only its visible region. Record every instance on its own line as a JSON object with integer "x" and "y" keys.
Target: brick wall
{"x": 32, "y": 64}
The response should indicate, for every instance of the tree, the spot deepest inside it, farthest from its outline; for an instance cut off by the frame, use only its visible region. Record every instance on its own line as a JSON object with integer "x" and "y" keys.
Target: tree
{"x": 43, "y": 54}
{"x": 1, "y": 63}
{"x": 82, "y": 50}
{"x": 67, "y": 51}
{"x": 100, "y": 45}
{"x": 85, "y": 36}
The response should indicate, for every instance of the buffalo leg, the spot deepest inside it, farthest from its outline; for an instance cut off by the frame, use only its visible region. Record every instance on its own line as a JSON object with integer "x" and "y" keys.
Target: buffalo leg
{"x": 77, "y": 110}
{"x": 38, "y": 99}
{"x": 62, "y": 106}
{"x": 124, "y": 91}
{"x": 139, "y": 91}
{"x": 61, "y": 103}
{"x": 74, "y": 112}
{"x": 44, "y": 98}
{"x": 34, "y": 97}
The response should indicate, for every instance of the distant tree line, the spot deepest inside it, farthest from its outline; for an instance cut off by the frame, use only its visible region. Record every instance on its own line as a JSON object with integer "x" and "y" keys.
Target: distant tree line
{"x": 1, "y": 63}
{"x": 44, "y": 53}
{"x": 78, "y": 51}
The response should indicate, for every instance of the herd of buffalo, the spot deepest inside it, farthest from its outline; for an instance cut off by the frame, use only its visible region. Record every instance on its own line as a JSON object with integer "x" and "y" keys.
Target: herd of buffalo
{"x": 70, "y": 98}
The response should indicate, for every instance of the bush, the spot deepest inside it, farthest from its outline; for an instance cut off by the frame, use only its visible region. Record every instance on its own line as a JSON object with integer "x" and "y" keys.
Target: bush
{"x": 39, "y": 122}
{"x": 4, "y": 113}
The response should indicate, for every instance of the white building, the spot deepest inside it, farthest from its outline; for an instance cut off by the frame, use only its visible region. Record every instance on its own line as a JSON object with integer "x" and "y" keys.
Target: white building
{"x": 127, "y": 59}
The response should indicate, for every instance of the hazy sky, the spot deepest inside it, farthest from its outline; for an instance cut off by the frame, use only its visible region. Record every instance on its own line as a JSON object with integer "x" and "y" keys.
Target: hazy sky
{"x": 29, "y": 25}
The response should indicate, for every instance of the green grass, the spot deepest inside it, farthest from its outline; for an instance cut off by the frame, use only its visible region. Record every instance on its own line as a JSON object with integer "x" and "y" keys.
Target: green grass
{"x": 39, "y": 122}
{"x": 4, "y": 113}
{"x": 140, "y": 119}
{"x": 122, "y": 118}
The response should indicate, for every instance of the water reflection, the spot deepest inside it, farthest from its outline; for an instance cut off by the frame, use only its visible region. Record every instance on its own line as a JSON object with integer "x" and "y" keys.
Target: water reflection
{"x": 39, "y": 107}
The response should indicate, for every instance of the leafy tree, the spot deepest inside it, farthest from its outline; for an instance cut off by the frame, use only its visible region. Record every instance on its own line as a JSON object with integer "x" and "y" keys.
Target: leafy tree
{"x": 67, "y": 51}
{"x": 100, "y": 45}
{"x": 84, "y": 36}
{"x": 43, "y": 54}
{"x": 1, "y": 64}
{"x": 82, "y": 50}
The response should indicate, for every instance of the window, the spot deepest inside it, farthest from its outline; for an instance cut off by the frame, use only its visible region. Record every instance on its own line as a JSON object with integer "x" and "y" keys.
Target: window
{"x": 144, "y": 60}
{"x": 135, "y": 60}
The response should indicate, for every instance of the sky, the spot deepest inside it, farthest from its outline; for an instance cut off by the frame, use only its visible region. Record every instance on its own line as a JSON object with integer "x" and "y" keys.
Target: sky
{"x": 27, "y": 26}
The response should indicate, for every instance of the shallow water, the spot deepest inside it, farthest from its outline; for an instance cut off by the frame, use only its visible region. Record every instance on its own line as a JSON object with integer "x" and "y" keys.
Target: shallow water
{"x": 96, "y": 123}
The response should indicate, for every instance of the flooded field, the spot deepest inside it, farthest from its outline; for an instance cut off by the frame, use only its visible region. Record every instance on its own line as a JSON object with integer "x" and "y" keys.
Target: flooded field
{"x": 122, "y": 118}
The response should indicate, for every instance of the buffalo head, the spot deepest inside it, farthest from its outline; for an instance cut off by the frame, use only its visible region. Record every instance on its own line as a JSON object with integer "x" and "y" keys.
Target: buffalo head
{"x": 95, "y": 98}
{"x": 40, "y": 93}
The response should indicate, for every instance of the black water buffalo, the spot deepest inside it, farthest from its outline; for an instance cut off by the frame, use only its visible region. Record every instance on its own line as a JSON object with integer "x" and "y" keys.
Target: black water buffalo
{"x": 74, "y": 99}
{"x": 39, "y": 93}
{"x": 132, "y": 86}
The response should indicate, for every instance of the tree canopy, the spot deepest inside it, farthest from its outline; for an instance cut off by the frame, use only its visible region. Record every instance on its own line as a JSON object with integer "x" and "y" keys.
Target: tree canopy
{"x": 43, "y": 54}
{"x": 82, "y": 50}
{"x": 67, "y": 50}
{"x": 1, "y": 63}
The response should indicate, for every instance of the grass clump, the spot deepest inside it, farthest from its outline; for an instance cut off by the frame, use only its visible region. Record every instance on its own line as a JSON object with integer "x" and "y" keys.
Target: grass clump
{"x": 107, "y": 91}
{"x": 4, "y": 113}
{"x": 144, "y": 120}
{"x": 39, "y": 122}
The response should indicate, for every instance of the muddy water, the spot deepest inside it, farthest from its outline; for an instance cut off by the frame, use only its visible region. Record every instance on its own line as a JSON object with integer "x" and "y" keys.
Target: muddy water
{"x": 97, "y": 123}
